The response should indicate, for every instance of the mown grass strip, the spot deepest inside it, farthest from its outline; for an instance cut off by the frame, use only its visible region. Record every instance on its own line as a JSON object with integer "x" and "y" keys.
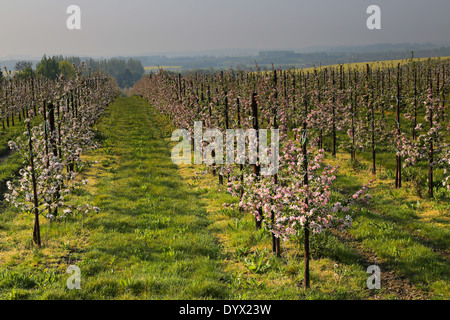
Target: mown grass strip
{"x": 150, "y": 241}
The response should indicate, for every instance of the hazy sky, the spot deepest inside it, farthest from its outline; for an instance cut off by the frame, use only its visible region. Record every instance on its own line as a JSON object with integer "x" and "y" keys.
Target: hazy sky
{"x": 135, "y": 27}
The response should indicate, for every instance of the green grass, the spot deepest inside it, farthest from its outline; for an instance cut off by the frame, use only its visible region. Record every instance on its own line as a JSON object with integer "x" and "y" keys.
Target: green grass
{"x": 150, "y": 241}
{"x": 406, "y": 235}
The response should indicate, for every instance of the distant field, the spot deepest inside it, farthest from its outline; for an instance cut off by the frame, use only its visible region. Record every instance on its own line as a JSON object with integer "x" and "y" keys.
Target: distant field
{"x": 11, "y": 73}
{"x": 152, "y": 68}
{"x": 374, "y": 64}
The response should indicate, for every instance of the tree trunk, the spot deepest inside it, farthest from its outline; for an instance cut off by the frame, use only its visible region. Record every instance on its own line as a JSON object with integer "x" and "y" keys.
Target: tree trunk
{"x": 306, "y": 226}
{"x": 36, "y": 229}
{"x": 275, "y": 240}
{"x": 307, "y": 257}
{"x": 398, "y": 176}
{"x": 256, "y": 167}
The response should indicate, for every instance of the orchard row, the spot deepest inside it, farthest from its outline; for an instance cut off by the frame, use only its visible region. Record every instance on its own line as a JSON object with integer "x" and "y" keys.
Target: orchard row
{"x": 399, "y": 109}
{"x": 59, "y": 117}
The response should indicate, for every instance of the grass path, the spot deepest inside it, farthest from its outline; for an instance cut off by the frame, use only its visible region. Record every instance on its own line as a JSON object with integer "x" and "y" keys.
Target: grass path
{"x": 153, "y": 230}
{"x": 150, "y": 240}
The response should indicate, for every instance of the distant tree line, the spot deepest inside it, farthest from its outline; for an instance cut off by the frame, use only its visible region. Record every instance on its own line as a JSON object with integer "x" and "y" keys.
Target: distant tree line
{"x": 126, "y": 72}
{"x": 48, "y": 67}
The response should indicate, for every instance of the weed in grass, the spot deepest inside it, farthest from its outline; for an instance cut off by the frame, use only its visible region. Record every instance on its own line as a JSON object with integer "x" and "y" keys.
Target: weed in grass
{"x": 168, "y": 253}
{"x": 231, "y": 212}
{"x": 258, "y": 261}
{"x": 241, "y": 252}
{"x": 394, "y": 194}
{"x": 386, "y": 174}
{"x": 339, "y": 272}
{"x": 238, "y": 224}
{"x": 414, "y": 206}
{"x": 417, "y": 178}
{"x": 17, "y": 294}
{"x": 240, "y": 282}
{"x": 108, "y": 288}
{"x": 358, "y": 166}
{"x": 441, "y": 193}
